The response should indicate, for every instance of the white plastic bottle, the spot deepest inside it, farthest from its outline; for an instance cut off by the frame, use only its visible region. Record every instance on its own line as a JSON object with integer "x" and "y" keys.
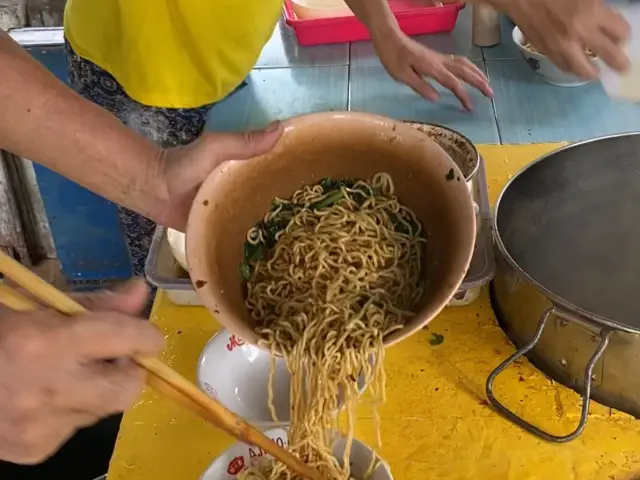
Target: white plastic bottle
{"x": 626, "y": 87}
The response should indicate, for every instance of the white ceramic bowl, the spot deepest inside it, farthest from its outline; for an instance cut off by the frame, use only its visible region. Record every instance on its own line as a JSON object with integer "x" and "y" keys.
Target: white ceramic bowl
{"x": 543, "y": 67}
{"x": 177, "y": 243}
{"x": 240, "y": 456}
{"x": 237, "y": 375}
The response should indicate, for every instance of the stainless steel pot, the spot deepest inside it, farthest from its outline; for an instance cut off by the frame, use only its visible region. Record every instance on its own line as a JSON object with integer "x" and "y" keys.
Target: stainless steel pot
{"x": 464, "y": 153}
{"x": 567, "y": 236}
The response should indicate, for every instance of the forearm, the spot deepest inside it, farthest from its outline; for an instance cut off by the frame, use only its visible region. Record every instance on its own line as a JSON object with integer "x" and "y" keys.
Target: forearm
{"x": 376, "y": 16}
{"x": 45, "y": 121}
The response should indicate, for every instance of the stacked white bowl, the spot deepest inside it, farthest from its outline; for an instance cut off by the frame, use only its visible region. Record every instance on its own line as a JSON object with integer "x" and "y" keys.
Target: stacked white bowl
{"x": 237, "y": 375}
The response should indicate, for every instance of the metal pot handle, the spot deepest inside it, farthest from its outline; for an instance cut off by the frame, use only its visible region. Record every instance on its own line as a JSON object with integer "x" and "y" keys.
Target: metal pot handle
{"x": 604, "y": 341}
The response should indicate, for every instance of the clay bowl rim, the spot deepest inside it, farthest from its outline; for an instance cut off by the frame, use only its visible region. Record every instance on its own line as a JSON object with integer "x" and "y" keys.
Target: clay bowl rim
{"x": 387, "y": 125}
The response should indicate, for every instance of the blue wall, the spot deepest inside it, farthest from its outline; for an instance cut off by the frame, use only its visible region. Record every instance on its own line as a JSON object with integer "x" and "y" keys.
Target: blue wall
{"x": 90, "y": 244}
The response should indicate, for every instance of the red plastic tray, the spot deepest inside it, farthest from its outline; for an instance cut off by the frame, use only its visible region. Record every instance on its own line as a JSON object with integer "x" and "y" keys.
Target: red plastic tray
{"x": 413, "y": 18}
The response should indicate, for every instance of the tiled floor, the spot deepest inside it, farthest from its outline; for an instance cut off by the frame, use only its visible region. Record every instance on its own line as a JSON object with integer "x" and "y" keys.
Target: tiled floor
{"x": 290, "y": 80}
{"x": 530, "y": 111}
{"x": 283, "y": 51}
{"x": 277, "y": 93}
{"x": 372, "y": 90}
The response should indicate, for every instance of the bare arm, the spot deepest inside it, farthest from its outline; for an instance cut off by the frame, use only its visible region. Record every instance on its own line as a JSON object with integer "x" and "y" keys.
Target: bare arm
{"x": 413, "y": 64}
{"x": 375, "y": 14}
{"x": 562, "y": 29}
{"x": 43, "y": 120}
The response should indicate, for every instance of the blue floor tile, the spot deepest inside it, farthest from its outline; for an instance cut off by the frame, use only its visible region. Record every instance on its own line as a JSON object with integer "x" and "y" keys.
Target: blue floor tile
{"x": 531, "y": 111}
{"x": 372, "y": 90}
{"x": 280, "y": 93}
{"x": 283, "y": 50}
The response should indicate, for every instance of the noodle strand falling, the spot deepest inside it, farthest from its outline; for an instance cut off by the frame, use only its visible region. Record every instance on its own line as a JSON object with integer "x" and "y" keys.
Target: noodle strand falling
{"x": 329, "y": 274}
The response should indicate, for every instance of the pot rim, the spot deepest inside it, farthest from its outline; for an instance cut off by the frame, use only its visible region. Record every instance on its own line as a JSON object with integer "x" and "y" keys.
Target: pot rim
{"x": 557, "y": 300}
{"x": 477, "y": 156}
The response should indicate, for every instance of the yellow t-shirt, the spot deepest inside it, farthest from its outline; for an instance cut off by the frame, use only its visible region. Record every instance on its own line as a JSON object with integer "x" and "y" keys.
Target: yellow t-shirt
{"x": 172, "y": 53}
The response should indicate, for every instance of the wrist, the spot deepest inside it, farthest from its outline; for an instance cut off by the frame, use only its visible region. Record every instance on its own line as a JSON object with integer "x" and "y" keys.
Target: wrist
{"x": 377, "y": 16}
{"x": 155, "y": 194}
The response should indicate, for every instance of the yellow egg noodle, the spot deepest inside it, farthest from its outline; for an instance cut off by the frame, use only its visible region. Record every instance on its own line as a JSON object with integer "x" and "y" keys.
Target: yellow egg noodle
{"x": 329, "y": 273}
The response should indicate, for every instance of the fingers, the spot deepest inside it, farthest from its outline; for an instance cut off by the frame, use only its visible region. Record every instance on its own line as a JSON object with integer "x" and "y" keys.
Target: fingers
{"x": 451, "y": 82}
{"x": 607, "y": 45}
{"x": 33, "y": 441}
{"x": 470, "y": 73}
{"x": 129, "y": 298}
{"x": 240, "y": 146}
{"x": 108, "y": 388}
{"x": 577, "y": 61}
{"x": 562, "y": 30}
{"x": 612, "y": 31}
{"x": 55, "y": 379}
{"x": 420, "y": 86}
{"x": 452, "y": 73}
{"x": 108, "y": 335}
{"x": 615, "y": 26}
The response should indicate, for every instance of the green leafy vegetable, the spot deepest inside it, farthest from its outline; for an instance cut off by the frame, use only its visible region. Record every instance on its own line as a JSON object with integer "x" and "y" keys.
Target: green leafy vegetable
{"x": 328, "y": 200}
{"x": 436, "y": 339}
{"x": 329, "y": 184}
{"x": 271, "y": 228}
{"x": 245, "y": 271}
{"x": 360, "y": 193}
{"x": 282, "y": 204}
{"x": 402, "y": 224}
{"x": 252, "y": 254}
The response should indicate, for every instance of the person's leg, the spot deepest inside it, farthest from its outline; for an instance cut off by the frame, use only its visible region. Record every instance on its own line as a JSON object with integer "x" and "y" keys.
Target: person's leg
{"x": 167, "y": 127}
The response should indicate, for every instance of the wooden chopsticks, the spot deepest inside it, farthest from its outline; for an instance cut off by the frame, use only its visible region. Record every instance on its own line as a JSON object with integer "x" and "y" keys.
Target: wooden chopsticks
{"x": 161, "y": 377}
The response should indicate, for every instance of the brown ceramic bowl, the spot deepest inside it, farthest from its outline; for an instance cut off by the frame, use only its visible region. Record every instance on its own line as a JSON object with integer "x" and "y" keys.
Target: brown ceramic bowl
{"x": 237, "y": 194}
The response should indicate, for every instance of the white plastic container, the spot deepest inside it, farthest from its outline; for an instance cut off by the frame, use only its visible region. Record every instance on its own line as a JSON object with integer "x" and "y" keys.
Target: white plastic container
{"x": 626, "y": 87}
{"x": 307, "y": 9}
{"x": 178, "y": 244}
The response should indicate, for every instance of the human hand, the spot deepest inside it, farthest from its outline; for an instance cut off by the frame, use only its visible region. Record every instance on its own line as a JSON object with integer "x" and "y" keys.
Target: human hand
{"x": 411, "y": 63}
{"x": 563, "y": 29}
{"x": 182, "y": 170}
{"x": 54, "y": 378}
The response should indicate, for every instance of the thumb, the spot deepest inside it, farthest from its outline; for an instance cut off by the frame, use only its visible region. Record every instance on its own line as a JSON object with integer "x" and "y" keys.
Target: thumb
{"x": 241, "y": 146}
{"x": 129, "y": 298}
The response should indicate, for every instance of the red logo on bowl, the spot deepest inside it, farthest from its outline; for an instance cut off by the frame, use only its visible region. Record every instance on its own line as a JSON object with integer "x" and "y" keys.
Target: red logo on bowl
{"x": 236, "y": 465}
{"x": 234, "y": 342}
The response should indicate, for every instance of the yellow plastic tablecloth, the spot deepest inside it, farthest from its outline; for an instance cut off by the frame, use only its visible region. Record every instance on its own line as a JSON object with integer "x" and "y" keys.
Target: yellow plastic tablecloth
{"x": 436, "y": 423}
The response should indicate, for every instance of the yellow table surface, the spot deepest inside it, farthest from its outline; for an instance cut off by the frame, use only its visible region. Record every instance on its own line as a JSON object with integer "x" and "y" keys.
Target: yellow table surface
{"x": 436, "y": 423}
